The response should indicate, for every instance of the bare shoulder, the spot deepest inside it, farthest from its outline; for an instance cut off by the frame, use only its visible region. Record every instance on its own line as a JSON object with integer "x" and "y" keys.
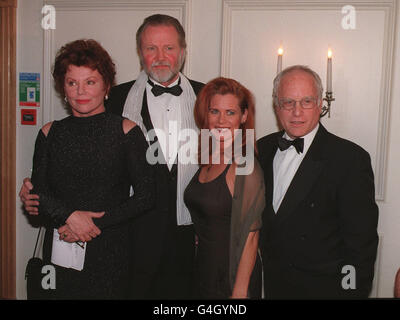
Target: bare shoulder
{"x": 128, "y": 125}
{"x": 46, "y": 128}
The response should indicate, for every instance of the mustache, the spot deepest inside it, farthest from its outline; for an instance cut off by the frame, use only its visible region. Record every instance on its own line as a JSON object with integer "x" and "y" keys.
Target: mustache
{"x": 161, "y": 63}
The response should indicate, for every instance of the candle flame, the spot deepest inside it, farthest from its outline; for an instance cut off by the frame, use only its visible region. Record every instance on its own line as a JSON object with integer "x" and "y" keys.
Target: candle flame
{"x": 280, "y": 51}
{"x": 329, "y": 53}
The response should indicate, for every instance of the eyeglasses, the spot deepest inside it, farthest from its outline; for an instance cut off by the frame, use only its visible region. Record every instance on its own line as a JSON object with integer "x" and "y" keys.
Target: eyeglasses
{"x": 290, "y": 104}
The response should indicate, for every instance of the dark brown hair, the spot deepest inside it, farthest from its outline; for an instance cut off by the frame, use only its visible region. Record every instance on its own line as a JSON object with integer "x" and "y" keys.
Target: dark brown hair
{"x": 83, "y": 53}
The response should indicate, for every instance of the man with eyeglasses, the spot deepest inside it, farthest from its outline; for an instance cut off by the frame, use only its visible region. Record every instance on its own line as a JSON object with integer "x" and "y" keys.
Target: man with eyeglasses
{"x": 319, "y": 237}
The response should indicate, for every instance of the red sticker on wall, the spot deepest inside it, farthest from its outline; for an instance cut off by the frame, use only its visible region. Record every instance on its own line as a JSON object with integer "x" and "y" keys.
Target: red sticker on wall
{"x": 28, "y": 117}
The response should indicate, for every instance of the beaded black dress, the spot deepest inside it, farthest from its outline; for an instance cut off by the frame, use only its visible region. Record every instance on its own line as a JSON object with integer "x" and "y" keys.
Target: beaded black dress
{"x": 89, "y": 164}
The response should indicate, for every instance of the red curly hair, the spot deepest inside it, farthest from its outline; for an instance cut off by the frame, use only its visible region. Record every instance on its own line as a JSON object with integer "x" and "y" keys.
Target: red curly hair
{"x": 84, "y": 52}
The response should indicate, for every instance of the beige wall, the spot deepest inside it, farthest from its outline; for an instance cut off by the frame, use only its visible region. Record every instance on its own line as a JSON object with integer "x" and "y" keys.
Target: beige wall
{"x": 240, "y": 39}
{"x": 29, "y": 59}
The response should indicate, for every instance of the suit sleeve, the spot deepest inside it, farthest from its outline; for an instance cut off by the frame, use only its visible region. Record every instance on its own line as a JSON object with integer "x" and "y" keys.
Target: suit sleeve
{"x": 117, "y": 96}
{"x": 359, "y": 218}
{"x": 50, "y": 207}
{"x": 142, "y": 180}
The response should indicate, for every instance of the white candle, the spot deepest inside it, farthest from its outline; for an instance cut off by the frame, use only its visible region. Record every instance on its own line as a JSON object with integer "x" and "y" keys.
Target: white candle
{"x": 279, "y": 66}
{"x": 329, "y": 72}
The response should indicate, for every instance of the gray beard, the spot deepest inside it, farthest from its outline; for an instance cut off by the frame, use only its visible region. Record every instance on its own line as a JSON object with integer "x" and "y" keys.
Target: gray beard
{"x": 161, "y": 77}
{"x": 164, "y": 76}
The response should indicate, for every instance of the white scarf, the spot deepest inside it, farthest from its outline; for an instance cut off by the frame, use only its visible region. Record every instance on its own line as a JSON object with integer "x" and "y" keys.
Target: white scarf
{"x": 132, "y": 110}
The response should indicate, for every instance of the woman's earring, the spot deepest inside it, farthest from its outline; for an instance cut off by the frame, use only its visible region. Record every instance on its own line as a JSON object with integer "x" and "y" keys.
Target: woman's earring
{"x": 65, "y": 99}
{"x": 106, "y": 97}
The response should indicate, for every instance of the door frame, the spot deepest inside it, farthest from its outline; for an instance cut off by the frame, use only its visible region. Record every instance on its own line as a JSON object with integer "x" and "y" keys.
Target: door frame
{"x": 8, "y": 38}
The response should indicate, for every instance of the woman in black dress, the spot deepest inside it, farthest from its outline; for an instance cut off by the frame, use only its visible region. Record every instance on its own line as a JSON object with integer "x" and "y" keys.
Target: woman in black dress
{"x": 83, "y": 168}
{"x": 225, "y": 197}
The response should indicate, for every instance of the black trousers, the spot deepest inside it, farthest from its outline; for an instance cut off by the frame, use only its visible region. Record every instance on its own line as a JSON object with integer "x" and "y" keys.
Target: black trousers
{"x": 175, "y": 277}
{"x": 163, "y": 262}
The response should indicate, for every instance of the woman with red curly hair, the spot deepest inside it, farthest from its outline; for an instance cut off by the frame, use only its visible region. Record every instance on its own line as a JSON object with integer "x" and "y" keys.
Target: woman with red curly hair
{"x": 225, "y": 202}
{"x": 83, "y": 168}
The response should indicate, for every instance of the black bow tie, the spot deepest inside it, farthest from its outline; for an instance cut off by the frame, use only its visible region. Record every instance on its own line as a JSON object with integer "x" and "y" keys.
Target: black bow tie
{"x": 159, "y": 90}
{"x": 298, "y": 143}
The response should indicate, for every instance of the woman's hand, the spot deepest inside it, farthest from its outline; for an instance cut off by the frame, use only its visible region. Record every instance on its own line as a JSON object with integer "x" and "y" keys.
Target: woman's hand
{"x": 81, "y": 223}
{"x": 238, "y": 295}
{"x": 67, "y": 235}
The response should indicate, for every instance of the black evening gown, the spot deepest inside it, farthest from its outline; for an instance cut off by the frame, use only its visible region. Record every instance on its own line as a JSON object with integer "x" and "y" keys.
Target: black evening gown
{"x": 89, "y": 164}
{"x": 210, "y": 206}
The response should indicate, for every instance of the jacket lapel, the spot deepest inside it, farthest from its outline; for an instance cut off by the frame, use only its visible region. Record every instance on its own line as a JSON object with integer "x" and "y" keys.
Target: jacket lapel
{"x": 269, "y": 176}
{"x": 305, "y": 177}
{"x": 266, "y": 151}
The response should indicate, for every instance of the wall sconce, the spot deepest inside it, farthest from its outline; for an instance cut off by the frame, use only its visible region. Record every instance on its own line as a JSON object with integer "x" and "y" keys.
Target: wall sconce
{"x": 326, "y": 109}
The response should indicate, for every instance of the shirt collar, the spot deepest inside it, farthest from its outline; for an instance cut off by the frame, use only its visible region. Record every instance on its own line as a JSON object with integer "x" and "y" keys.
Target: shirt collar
{"x": 170, "y": 85}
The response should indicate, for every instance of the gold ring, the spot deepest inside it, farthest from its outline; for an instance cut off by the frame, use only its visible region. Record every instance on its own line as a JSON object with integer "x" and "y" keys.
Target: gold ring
{"x": 64, "y": 235}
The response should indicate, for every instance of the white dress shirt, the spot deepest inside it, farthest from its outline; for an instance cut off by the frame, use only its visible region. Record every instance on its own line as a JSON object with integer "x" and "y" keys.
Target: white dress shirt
{"x": 164, "y": 114}
{"x": 132, "y": 110}
{"x": 285, "y": 166}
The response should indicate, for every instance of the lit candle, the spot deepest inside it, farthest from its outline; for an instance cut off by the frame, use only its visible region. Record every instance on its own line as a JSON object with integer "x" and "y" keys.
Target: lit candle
{"x": 329, "y": 72}
{"x": 279, "y": 66}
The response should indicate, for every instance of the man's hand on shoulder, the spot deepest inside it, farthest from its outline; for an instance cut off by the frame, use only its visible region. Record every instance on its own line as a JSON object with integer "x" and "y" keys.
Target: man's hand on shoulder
{"x": 30, "y": 201}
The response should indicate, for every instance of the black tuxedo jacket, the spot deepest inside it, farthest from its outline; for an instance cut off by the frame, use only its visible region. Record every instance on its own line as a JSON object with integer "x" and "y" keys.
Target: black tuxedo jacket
{"x": 153, "y": 232}
{"x": 166, "y": 180}
{"x": 327, "y": 220}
